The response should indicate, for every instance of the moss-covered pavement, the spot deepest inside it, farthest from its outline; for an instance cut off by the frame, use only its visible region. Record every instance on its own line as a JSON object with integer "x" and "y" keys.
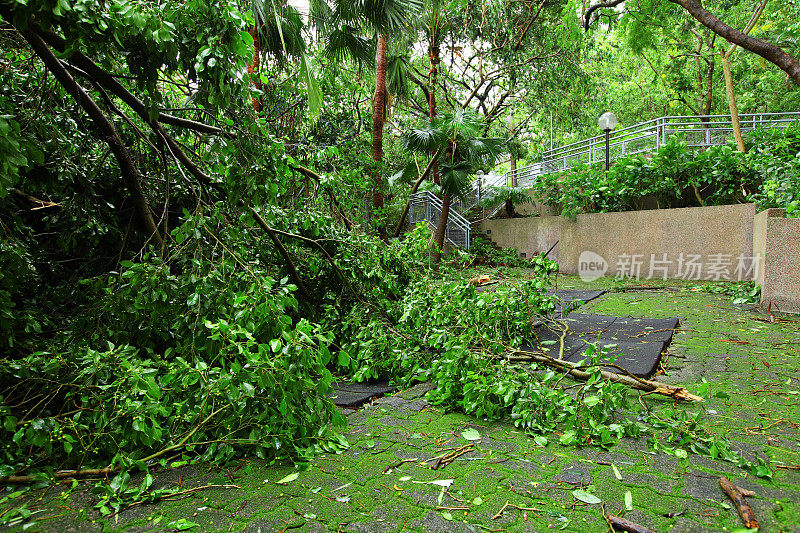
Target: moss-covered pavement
{"x": 384, "y": 482}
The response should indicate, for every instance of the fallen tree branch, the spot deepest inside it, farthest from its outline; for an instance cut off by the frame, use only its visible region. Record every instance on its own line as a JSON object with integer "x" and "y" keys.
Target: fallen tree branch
{"x": 446, "y": 459}
{"x": 617, "y": 522}
{"x": 649, "y": 386}
{"x": 130, "y": 172}
{"x": 282, "y": 250}
{"x": 737, "y": 495}
{"x": 64, "y": 474}
{"x": 316, "y": 177}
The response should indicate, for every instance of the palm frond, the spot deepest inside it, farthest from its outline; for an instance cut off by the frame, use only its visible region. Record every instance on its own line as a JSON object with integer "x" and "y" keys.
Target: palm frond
{"x": 383, "y": 16}
{"x": 345, "y": 41}
{"x": 455, "y": 178}
{"x": 461, "y": 122}
{"x": 259, "y": 9}
{"x": 481, "y": 151}
{"x": 426, "y": 138}
{"x": 397, "y": 81}
{"x": 281, "y": 34}
{"x": 320, "y": 15}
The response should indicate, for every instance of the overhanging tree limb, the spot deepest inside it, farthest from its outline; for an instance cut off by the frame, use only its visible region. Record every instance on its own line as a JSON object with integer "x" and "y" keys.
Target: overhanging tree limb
{"x": 285, "y": 254}
{"x": 113, "y": 85}
{"x": 127, "y": 167}
{"x": 768, "y": 51}
{"x": 414, "y": 188}
{"x": 587, "y": 17}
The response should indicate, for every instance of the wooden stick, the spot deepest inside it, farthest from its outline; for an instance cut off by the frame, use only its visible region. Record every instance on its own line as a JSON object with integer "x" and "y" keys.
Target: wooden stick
{"x": 60, "y": 475}
{"x": 392, "y": 467}
{"x": 626, "y": 525}
{"x": 649, "y": 386}
{"x": 736, "y": 496}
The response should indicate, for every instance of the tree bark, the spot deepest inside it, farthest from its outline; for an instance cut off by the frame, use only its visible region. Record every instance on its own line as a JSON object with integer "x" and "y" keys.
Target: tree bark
{"x": 735, "y": 494}
{"x": 710, "y": 84}
{"x": 737, "y": 130}
{"x": 441, "y": 228}
{"x": 253, "y": 68}
{"x": 513, "y": 169}
{"x": 379, "y": 113}
{"x": 127, "y": 167}
{"x": 284, "y": 253}
{"x": 434, "y": 58}
{"x": 768, "y": 51}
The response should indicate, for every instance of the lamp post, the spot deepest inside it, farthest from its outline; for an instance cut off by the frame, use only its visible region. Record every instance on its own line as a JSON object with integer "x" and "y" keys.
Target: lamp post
{"x": 607, "y": 122}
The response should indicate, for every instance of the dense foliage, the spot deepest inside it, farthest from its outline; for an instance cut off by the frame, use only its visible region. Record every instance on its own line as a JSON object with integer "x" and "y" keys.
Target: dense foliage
{"x": 192, "y": 226}
{"x": 676, "y": 176}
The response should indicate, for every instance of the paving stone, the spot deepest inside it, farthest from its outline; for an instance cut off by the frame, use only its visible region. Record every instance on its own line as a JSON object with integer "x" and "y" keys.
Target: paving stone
{"x": 573, "y": 474}
{"x": 434, "y": 523}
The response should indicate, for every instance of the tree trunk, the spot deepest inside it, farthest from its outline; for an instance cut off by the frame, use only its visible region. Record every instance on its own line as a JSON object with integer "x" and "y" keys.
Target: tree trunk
{"x": 737, "y": 130}
{"x": 768, "y": 51}
{"x": 378, "y": 121}
{"x": 126, "y": 165}
{"x": 513, "y": 171}
{"x": 509, "y": 207}
{"x": 414, "y": 188}
{"x": 710, "y": 85}
{"x": 434, "y": 58}
{"x": 441, "y": 228}
{"x": 252, "y": 69}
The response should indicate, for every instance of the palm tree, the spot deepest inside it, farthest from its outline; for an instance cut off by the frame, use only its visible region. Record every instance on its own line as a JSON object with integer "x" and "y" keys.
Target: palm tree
{"x": 377, "y": 19}
{"x": 434, "y": 26}
{"x": 453, "y": 137}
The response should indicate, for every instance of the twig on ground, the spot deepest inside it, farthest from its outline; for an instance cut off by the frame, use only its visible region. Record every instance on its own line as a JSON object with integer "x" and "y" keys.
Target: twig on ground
{"x": 622, "y": 524}
{"x": 736, "y": 495}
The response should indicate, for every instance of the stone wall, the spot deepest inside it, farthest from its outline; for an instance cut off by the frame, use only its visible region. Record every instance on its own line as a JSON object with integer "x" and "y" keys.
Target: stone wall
{"x": 703, "y": 242}
{"x": 778, "y": 240}
{"x": 728, "y": 242}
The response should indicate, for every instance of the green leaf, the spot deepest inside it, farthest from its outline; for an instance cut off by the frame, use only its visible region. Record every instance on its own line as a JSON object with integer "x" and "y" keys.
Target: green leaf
{"x": 586, "y": 496}
{"x": 288, "y": 479}
{"x": 471, "y": 434}
{"x": 182, "y": 524}
{"x": 616, "y": 472}
{"x": 152, "y": 388}
{"x": 628, "y": 501}
{"x": 312, "y": 88}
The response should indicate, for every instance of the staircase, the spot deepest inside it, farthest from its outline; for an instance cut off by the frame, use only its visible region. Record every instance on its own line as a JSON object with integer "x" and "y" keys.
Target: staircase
{"x": 701, "y": 131}
{"x": 427, "y": 207}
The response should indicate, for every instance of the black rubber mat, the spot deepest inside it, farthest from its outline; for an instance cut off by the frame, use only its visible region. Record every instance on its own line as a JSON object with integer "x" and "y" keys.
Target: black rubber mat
{"x": 352, "y": 395}
{"x": 635, "y": 344}
{"x": 639, "y": 358}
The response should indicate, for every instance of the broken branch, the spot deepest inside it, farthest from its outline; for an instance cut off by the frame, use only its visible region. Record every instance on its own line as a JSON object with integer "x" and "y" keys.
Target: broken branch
{"x": 737, "y": 497}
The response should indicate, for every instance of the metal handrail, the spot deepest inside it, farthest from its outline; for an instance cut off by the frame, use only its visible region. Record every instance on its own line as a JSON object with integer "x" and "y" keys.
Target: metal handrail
{"x": 699, "y": 131}
{"x": 426, "y": 206}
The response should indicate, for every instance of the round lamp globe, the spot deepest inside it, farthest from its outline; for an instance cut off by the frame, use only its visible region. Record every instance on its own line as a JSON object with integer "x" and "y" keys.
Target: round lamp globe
{"x": 607, "y": 121}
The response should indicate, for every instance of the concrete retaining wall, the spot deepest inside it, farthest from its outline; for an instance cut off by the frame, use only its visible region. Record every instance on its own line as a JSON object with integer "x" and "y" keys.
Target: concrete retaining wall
{"x": 727, "y": 242}
{"x": 777, "y": 239}
{"x": 674, "y": 243}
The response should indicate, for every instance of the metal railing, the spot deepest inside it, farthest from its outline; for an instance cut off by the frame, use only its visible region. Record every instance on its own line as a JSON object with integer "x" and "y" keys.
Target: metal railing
{"x": 700, "y": 131}
{"x": 427, "y": 207}
{"x": 697, "y": 131}
{"x": 478, "y": 191}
